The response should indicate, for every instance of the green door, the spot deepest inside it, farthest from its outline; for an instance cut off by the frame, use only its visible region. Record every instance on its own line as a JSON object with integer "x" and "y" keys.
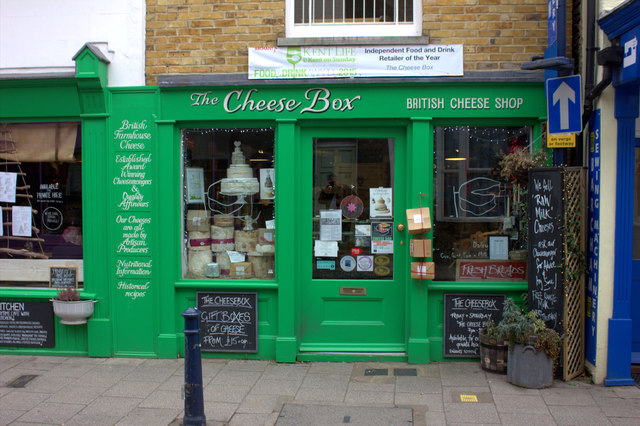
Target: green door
{"x": 354, "y": 249}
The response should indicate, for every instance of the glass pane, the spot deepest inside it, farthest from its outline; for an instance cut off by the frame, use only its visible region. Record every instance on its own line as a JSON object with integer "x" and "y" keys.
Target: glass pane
{"x": 228, "y": 212}
{"x": 353, "y": 208}
{"x": 349, "y": 11}
{"x": 475, "y": 207}
{"x": 636, "y": 208}
{"x": 41, "y": 199}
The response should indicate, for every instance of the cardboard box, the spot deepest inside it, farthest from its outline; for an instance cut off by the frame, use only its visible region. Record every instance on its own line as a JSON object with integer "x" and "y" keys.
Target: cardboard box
{"x": 241, "y": 270}
{"x": 418, "y": 220}
{"x": 266, "y": 236}
{"x": 198, "y": 220}
{"x": 423, "y": 270}
{"x": 419, "y": 247}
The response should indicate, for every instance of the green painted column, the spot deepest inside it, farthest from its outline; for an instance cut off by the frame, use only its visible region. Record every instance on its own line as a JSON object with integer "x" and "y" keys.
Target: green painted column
{"x": 287, "y": 239}
{"x": 420, "y": 176}
{"x": 167, "y": 239}
{"x": 91, "y": 74}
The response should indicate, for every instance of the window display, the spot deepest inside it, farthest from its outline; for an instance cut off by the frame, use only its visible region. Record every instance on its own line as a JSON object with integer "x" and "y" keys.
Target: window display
{"x": 41, "y": 200}
{"x": 480, "y": 216}
{"x": 229, "y": 193}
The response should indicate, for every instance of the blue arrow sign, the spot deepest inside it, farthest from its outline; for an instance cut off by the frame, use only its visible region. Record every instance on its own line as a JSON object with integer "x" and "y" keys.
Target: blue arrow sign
{"x": 564, "y": 104}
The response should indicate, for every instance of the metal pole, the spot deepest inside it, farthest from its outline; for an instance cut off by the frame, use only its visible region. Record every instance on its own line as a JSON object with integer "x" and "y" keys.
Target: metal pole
{"x": 193, "y": 400}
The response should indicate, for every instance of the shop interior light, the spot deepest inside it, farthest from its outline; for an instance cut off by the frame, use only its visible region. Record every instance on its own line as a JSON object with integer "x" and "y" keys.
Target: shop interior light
{"x": 260, "y": 156}
{"x": 455, "y": 159}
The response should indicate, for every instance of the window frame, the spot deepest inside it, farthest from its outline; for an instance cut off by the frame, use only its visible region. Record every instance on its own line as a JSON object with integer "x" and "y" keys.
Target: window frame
{"x": 353, "y": 30}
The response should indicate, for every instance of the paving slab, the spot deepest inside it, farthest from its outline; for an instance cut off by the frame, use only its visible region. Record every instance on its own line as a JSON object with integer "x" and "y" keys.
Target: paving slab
{"x": 568, "y": 415}
{"x": 471, "y": 413}
{"x": 51, "y": 413}
{"x": 320, "y": 415}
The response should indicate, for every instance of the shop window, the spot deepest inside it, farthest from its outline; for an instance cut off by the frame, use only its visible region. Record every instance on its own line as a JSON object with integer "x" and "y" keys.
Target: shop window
{"x": 228, "y": 213}
{"x": 480, "y": 225}
{"x": 345, "y": 18}
{"x": 41, "y": 199}
{"x": 353, "y": 208}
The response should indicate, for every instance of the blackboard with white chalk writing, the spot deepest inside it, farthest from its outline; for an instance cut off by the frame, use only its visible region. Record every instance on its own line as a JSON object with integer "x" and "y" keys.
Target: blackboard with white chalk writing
{"x": 26, "y": 324}
{"x": 228, "y": 321}
{"x": 464, "y": 316}
{"x": 545, "y": 246}
{"x": 62, "y": 276}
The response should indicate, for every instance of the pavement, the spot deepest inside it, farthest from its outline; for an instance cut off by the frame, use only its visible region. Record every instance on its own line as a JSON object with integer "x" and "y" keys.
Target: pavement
{"x": 122, "y": 391}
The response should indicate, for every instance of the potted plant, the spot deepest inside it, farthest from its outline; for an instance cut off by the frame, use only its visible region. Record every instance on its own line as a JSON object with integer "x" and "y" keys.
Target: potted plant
{"x": 534, "y": 349}
{"x": 70, "y": 308}
{"x": 493, "y": 349}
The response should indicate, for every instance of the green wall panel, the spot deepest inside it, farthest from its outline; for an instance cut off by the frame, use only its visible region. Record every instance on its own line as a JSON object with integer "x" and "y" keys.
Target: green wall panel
{"x": 134, "y": 283}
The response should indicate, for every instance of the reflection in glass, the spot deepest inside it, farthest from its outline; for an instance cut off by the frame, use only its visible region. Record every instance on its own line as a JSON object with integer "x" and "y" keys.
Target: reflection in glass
{"x": 472, "y": 202}
{"x": 228, "y": 211}
{"x": 353, "y": 208}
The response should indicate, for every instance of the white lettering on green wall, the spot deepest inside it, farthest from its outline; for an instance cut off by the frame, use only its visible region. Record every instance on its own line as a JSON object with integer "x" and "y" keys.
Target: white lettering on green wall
{"x": 465, "y": 103}
{"x": 319, "y": 100}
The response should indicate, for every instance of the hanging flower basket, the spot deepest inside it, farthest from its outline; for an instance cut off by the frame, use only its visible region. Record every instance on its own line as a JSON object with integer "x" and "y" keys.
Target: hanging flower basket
{"x": 73, "y": 312}
{"x": 70, "y": 308}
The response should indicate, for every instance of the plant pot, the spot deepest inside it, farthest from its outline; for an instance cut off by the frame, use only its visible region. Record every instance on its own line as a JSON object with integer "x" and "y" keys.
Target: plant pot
{"x": 73, "y": 313}
{"x": 493, "y": 353}
{"x": 529, "y": 368}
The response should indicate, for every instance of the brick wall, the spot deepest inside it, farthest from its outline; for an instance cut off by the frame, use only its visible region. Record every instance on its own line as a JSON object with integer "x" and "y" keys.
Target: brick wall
{"x": 204, "y": 36}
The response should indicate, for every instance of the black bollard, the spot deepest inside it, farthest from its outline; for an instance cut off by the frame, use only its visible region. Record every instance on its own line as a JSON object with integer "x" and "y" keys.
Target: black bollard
{"x": 193, "y": 400}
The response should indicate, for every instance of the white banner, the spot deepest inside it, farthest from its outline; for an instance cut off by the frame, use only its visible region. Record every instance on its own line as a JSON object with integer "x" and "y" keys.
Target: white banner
{"x": 351, "y": 61}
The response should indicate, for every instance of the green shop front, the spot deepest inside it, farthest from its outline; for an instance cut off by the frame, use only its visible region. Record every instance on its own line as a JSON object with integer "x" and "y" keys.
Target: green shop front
{"x": 279, "y": 209}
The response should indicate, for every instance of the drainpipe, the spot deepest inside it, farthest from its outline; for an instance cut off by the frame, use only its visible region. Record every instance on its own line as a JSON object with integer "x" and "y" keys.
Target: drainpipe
{"x": 589, "y": 73}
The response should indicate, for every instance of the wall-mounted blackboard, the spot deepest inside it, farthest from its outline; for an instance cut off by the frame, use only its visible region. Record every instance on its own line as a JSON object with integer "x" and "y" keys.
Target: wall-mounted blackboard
{"x": 228, "y": 321}
{"x": 545, "y": 246}
{"x": 62, "y": 276}
{"x": 26, "y": 324}
{"x": 464, "y": 316}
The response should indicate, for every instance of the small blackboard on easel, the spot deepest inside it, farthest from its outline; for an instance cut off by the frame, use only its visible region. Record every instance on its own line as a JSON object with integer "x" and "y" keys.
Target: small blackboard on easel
{"x": 63, "y": 276}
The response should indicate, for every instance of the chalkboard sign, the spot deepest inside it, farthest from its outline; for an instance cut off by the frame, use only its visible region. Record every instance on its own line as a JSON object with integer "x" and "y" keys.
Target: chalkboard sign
{"x": 464, "y": 316}
{"x": 545, "y": 246}
{"x": 62, "y": 276}
{"x": 26, "y": 324}
{"x": 228, "y": 321}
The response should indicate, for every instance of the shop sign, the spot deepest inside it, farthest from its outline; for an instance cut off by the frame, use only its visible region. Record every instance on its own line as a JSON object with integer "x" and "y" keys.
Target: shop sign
{"x": 593, "y": 237}
{"x": 495, "y": 270}
{"x": 350, "y": 61}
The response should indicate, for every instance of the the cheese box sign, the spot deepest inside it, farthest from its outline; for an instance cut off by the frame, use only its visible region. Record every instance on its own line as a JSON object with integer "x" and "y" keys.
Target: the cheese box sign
{"x": 419, "y": 247}
{"x": 423, "y": 270}
{"x": 241, "y": 270}
{"x": 418, "y": 220}
{"x": 198, "y": 220}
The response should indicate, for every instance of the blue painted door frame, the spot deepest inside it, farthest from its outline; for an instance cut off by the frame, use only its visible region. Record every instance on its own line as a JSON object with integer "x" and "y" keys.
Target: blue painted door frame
{"x": 620, "y": 324}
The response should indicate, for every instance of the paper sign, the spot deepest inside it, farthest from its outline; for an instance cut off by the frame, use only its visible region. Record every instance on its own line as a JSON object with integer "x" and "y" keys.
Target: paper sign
{"x": 21, "y": 219}
{"x": 270, "y": 224}
{"x": 8, "y": 187}
{"x": 417, "y": 218}
{"x": 331, "y": 225}
{"x": 235, "y": 257}
{"x": 325, "y": 248}
{"x": 380, "y": 202}
{"x": 363, "y": 230}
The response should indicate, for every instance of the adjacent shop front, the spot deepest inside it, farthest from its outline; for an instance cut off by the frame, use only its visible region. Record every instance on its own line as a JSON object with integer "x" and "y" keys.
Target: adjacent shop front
{"x": 281, "y": 208}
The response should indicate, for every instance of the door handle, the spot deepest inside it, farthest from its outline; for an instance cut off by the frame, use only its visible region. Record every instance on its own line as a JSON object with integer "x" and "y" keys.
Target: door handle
{"x": 400, "y": 227}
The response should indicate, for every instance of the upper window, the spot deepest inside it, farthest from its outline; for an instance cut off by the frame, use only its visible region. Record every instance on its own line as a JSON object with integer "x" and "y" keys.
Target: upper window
{"x": 354, "y": 18}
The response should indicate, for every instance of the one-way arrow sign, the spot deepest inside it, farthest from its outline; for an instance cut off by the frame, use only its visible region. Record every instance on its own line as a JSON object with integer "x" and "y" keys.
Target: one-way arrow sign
{"x": 564, "y": 104}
